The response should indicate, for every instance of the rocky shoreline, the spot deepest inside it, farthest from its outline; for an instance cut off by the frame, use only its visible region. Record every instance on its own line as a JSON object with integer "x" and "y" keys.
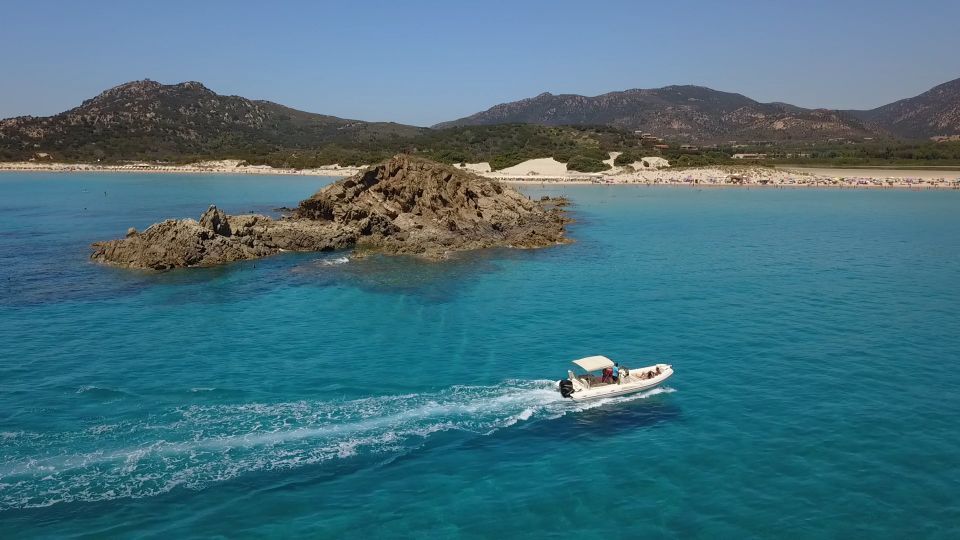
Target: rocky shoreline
{"x": 405, "y": 206}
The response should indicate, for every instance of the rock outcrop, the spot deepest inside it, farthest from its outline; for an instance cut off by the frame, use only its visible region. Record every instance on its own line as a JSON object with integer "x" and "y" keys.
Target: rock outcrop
{"x": 217, "y": 239}
{"x": 403, "y": 206}
{"x": 414, "y": 206}
{"x": 216, "y": 220}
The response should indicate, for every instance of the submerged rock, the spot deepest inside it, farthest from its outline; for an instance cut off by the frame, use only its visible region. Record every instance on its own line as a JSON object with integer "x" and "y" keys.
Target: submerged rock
{"x": 403, "y": 206}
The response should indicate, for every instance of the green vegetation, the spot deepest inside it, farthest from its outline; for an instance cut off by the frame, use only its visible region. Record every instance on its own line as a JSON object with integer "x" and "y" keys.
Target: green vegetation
{"x": 292, "y": 139}
{"x": 502, "y": 146}
{"x": 627, "y": 158}
{"x": 586, "y": 164}
{"x": 701, "y": 159}
{"x": 826, "y": 154}
{"x": 311, "y": 141}
{"x": 912, "y": 154}
{"x": 148, "y": 121}
{"x": 507, "y": 145}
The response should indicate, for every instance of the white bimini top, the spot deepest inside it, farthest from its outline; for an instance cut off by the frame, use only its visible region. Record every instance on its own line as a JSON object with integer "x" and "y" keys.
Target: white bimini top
{"x": 594, "y": 363}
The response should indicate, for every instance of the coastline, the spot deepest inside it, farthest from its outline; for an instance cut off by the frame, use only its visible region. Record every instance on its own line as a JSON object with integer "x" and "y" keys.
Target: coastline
{"x": 874, "y": 172}
{"x": 903, "y": 186}
{"x": 203, "y": 167}
{"x": 724, "y": 176}
{"x": 750, "y": 176}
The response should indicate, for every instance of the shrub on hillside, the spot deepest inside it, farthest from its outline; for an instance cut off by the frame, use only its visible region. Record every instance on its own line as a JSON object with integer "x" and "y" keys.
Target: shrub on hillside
{"x": 586, "y": 164}
{"x": 701, "y": 160}
{"x": 627, "y": 158}
{"x": 503, "y": 161}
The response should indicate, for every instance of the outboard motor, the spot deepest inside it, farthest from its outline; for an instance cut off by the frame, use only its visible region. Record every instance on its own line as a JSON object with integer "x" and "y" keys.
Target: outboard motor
{"x": 566, "y": 388}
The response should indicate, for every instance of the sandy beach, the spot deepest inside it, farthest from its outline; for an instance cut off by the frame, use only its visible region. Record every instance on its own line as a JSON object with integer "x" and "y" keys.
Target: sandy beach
{"x": 877, "y": 172}
{"x": 656, "y": 171}
{"x": 226, "y": 166}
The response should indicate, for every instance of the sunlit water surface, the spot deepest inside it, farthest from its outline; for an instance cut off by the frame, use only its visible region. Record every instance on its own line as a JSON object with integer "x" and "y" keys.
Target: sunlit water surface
{"x": 815, "y": 336}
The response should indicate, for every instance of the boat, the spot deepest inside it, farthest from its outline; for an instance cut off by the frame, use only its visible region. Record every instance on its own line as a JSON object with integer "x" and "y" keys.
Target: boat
{"x": 591, "y": 386}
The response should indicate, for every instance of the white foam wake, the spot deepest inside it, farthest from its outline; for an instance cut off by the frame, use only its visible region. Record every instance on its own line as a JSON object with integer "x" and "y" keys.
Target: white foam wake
{"x": 198, "y": 445}
{"x": 334, "y": 262}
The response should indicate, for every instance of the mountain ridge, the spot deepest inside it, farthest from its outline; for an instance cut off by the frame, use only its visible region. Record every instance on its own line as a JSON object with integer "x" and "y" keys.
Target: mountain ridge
{"x": 935, "y": 112}
{"x": 696, "y": 112}
{"x": 145, "y": 118}
{"x": 148, "y": 120}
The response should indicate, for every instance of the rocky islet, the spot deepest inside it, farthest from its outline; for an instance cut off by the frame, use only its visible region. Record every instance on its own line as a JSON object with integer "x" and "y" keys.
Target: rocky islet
{"x": 404, "y": 206}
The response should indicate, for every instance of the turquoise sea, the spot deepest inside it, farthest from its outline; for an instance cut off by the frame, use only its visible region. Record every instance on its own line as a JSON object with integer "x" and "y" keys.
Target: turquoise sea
{"x": 815, "y": 336}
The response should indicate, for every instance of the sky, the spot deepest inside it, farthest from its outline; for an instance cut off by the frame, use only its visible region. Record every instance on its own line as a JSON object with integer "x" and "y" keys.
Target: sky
{"x": 419, "y": 62}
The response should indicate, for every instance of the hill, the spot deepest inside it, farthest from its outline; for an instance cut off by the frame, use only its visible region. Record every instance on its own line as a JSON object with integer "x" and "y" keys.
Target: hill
{"x": 187, "y": 122}
{"x": 149, "y": 120}
{"x": 933, "y": 113}
{"x": 697, "y": 113}
{"x": 677, "y": 112}
{"x": 146, "y": 120}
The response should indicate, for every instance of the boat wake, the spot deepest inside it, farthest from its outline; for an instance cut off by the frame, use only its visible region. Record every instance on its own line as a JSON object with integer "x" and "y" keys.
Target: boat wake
{"x": 199, "y": 445}
{"x": 334, "y": 262}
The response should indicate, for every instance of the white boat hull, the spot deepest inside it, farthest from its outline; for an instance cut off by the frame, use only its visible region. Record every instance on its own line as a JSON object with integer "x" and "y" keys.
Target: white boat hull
{"x": 635, "y": 382}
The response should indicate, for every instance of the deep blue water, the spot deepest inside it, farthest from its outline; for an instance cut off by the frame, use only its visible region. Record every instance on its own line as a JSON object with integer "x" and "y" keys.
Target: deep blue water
{"x": 815, "y": 336}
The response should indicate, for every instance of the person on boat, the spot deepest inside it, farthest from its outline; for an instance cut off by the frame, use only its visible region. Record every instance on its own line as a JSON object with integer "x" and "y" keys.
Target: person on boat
{"x": 607, "y": 375}
{"x": 658, "y": 370}
{"x": 615, "y": 373}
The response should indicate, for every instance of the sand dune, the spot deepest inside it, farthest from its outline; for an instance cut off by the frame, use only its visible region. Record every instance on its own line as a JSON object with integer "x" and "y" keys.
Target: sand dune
{"x": 537, "y": 167}
{"x": 613, "y": 157}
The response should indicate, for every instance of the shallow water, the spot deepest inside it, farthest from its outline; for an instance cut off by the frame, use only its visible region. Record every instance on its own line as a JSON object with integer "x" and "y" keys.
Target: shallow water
{"x": 815, "y": 336}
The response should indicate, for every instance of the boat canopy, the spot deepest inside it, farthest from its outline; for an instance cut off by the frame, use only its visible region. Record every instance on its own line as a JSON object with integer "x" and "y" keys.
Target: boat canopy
{"x": 594, "y": 363}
